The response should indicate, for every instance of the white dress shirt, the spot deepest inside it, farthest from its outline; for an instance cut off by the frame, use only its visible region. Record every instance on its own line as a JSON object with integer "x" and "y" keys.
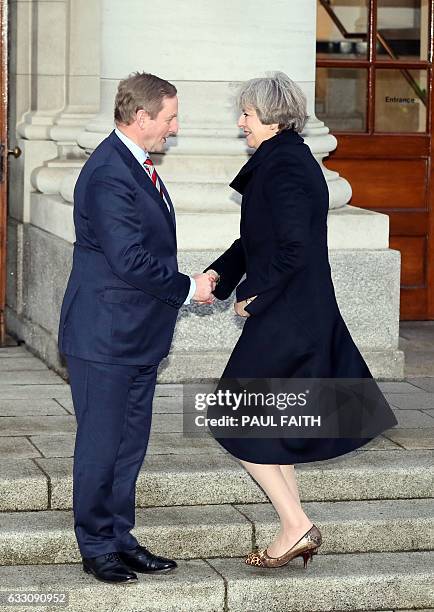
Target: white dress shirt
{"x": 142, "y": 155}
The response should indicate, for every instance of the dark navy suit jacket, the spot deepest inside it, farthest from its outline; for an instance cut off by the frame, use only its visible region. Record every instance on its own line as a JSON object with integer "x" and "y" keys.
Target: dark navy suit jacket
{"x": 124, "y": 291}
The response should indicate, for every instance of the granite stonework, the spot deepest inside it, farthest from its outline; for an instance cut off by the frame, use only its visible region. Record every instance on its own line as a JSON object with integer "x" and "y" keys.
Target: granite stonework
{"x": 196, "y": 504}
{"x": 14, "y": 262}
{"x": 360, "y": 582}
{"x": 413, "y": 439}
{"x": 17, "y": 447}
{"x": 35, "y": 392}
{"x": 401, "y": 386}
{"x": 412, "y": 401}
{"x": 361, "y": 277}
{"x": 181, "y": 532}
{"x": 413, "y": 419}
{"x": 23, "y": 485}
{"x": 17, "y": 364}
{"x": 427, "y": 384}
{"x": 55, "y": 444}
{"x": 31, "y": 407}
{"x": 356, "y": 526}
{"x": 376, "y": 581}
{"x": 182, "y": 479}
{"x": 191, "y": 532}
{"x": 194, "y": 586}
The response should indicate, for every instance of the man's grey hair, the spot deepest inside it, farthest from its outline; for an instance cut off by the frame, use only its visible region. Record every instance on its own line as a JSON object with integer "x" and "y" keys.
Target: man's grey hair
{"x": 276, "y": 99}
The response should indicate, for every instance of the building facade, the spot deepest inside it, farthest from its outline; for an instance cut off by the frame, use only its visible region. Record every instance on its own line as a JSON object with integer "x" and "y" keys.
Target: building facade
{"x": 66, "y": 58}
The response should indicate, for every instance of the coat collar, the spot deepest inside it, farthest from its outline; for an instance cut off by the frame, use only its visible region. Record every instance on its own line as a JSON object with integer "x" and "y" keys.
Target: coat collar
{"x": 141, "y": 178}
{"x": 278, "y": 142}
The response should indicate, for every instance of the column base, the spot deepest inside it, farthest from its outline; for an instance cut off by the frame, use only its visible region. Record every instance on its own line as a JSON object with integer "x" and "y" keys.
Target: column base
{"x": 367, "y": 289}
{"x": 366, "y": 282}
{"x": 188, "y": 366}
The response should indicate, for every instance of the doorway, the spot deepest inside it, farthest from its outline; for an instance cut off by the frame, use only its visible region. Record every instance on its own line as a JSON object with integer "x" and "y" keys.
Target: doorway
{"x": 374, "y": 91}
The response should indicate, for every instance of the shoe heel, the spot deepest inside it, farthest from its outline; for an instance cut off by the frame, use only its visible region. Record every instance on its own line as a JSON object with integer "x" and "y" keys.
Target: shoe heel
{"x": 308, "y": 555}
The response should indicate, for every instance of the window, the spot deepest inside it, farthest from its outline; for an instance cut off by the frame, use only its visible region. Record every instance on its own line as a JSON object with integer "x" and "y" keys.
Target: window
{"x": 373, "y": 65}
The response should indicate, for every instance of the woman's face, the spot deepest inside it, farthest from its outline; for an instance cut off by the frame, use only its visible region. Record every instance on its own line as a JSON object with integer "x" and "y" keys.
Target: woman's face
{"x": 255, "y": 131}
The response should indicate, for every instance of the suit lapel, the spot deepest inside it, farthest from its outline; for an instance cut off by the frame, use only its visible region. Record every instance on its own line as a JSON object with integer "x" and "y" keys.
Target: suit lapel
{"x": 142, "y": 178}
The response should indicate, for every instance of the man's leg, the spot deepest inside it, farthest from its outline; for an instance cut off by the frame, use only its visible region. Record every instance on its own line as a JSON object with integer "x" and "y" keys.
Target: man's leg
{"x": 100, "y": 394}
{"x": 132, "y": 451}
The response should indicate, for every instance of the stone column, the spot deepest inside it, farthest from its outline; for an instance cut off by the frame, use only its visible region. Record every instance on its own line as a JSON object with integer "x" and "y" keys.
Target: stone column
{"x": 81, "y": 95}
{"x": 206, "y": 48}
{"x": 38, "y": 69}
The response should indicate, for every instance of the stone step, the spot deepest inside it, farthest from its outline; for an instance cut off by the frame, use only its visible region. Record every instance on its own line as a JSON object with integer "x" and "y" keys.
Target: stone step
{"x": 180, "y": 479}
{"x": 193, "y": 586}
{"x": 191, "y": 532}
{"x": 27, "y": 376}
{"x": 14, "y": 351}
{"x": 20, "y": 364}
{"x": 372, "y": 581}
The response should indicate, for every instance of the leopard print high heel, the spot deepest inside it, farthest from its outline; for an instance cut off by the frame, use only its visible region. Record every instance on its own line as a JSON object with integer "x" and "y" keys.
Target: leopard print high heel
{"x": 306, "y": 547}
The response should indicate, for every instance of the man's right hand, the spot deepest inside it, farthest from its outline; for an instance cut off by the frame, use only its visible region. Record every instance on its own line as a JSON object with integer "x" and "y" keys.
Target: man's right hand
{"x": 205, "y": 285}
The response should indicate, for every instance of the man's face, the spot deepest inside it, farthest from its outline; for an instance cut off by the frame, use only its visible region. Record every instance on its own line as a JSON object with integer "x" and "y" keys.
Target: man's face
{"x": 165, "y": 124}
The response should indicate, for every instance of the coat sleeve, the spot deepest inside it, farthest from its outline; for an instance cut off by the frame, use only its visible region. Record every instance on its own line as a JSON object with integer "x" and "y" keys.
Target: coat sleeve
{"x": 117, "y": 227}
{"x": 231, "y": 266}
{"x": 290, "y": 208}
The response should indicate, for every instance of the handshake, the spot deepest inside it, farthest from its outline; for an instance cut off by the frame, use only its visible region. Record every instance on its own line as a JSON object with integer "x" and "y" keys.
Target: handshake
{"x": 205, "y": 285}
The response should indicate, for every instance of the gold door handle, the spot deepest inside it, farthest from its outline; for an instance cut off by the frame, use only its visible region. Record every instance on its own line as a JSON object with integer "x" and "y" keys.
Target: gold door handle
{"x": 16, "y": 152}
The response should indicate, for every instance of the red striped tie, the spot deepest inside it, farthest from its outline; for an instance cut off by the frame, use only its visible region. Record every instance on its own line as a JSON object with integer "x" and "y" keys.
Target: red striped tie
{"x": 152, "y": 173}
{"x": 150, "y": 169}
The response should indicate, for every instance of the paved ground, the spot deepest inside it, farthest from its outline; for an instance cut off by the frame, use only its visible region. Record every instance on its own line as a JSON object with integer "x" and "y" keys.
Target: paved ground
{"x": 192, "y": 495}
{"x": 417, "y": 342}
{"x": 29, "y": 391}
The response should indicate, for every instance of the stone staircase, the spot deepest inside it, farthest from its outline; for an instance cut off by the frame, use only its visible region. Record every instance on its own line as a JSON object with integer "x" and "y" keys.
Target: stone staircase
{"x": 195, "y": 503}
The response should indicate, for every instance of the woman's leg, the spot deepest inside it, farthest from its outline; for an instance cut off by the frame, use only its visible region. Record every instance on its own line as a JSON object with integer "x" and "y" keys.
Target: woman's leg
{"x": 293, "y": 521}
{"x": 291, "y": 480}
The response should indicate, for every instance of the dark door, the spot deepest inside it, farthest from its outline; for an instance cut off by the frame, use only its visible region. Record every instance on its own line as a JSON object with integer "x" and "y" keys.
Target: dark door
{"x": 374, "y": 91}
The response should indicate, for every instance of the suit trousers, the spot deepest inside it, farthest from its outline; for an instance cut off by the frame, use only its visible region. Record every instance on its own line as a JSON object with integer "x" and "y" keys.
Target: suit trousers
{"x": 113, "y": 408}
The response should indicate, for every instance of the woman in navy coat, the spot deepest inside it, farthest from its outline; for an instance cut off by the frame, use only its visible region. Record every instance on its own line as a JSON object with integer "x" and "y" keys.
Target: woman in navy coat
{"x": 293, "y": 326}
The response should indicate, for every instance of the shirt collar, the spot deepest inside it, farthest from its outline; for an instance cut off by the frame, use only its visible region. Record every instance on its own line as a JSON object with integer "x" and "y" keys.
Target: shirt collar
{"x": 140, "y": 154}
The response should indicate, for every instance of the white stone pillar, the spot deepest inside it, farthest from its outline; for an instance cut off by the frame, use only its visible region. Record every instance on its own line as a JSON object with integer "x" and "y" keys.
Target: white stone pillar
{"x": 42, "y": 25}
{"x": 82, "y": 75}
{"x": 81, "y": 96}
{"x": 206, "y": 48}
{"x": 37, "y": 80}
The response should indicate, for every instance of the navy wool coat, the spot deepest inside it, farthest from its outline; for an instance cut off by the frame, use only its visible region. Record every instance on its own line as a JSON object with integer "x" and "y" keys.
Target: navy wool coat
{"x": 295, "y": 328}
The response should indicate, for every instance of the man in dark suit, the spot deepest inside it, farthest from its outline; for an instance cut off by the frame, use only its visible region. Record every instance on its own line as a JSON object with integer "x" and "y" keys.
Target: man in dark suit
{"x": 117, "y": 322}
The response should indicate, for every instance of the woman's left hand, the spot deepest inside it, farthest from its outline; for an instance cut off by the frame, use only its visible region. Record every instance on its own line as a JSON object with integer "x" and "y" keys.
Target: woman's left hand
{"x": 239, "y": 307}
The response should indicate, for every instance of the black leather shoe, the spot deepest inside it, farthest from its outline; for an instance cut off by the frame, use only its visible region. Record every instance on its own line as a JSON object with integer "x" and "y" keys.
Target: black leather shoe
{"x": 109, "y": 568}
{"x": 141, "y": 560}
